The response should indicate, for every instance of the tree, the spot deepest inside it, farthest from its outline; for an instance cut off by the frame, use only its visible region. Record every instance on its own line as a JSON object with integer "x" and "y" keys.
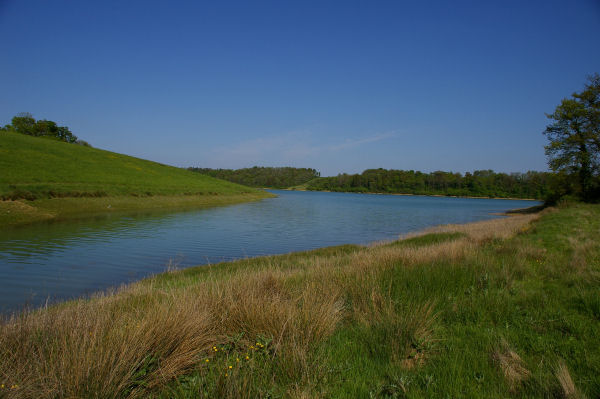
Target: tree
{"x": 25, "y": 123}
{"x": 574, "y": 137}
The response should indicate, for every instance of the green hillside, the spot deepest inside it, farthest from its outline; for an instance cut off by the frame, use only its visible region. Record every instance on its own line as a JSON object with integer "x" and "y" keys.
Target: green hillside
{"x": 58, "y": 178}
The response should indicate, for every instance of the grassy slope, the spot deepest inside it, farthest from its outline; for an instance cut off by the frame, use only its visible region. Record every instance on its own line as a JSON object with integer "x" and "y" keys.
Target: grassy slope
{"x": 66, "y": 179}
{"x": 494, "y": 309}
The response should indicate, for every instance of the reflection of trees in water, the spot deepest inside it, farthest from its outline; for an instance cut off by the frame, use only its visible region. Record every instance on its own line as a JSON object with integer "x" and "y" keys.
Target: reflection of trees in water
{"x": 46, "y": 237}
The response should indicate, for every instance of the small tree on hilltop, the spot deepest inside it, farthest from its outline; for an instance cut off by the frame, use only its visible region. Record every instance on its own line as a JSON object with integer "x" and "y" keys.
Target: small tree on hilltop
{"x": 25, "y": 123}
{"x": 574, "y": 135}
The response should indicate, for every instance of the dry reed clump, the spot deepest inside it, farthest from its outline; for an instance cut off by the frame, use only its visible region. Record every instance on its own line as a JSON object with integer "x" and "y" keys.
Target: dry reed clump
{"x": 528, "y": 251}
{"x": 569, "y": 390}
{"x": 355, "y": 279}
{"x": 295, "y": 318}
{"x": 582, "y": 250}
{"x": 413, "y": 255}
{"x": 320, "y": 311}
{"x": 261, "y": 304}
{"x": 99, "y": 349}
{"x": 512, "y": 366}
{"x": 420, "y": 323}
{"x": 303, "y": 392}
{"x": 487, "y": 229}
{"x": 406, "y": 333}
{"x": 359, "y": 274}
{"x": 255, "y": 304}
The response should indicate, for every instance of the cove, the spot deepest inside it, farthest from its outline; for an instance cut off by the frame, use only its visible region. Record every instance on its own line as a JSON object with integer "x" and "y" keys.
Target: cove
{"x": 44, "y": 263}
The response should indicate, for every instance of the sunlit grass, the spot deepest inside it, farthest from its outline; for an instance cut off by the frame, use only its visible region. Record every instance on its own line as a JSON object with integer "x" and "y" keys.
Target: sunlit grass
{"x": 502, "y": 308}
{"x": 45, "y": 179}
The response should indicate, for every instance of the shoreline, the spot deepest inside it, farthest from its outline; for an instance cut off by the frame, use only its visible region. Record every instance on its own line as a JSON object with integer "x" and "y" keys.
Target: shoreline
{"x": 118, "y": 211}
{"x": 409, "y": 195}
{"x": 400, "y": 238}
{"x": 19, "y": 213}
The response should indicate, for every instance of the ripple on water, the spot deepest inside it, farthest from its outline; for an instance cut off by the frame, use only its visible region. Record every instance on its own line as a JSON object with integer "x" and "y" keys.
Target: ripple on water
{"x": 69, "y": 259}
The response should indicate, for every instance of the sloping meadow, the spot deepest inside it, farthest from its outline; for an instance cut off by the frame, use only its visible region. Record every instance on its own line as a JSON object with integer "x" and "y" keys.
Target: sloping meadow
{"x": 501, "y": 308}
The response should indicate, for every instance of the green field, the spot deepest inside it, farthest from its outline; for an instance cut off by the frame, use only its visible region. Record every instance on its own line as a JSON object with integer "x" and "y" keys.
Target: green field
{"x": 44, "y": 179}
{"x": 495, "y": 309}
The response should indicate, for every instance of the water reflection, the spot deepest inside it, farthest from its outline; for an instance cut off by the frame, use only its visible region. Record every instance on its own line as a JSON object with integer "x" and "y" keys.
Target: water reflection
{"x": 25, "y": 242}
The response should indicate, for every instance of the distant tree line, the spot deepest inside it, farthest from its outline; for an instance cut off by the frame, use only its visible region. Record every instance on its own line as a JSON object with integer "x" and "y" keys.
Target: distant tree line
{"x": 25, "y": 123}
{"x": 480, "y": 183}
{"x": 273, "y": 177}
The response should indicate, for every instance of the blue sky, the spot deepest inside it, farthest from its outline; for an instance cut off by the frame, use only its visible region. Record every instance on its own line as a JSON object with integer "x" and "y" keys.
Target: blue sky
{"x": 337, "y": 86}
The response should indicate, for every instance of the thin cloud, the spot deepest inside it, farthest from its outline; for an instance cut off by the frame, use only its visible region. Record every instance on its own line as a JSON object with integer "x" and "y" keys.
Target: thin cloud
{"x": 351, "y": 143}
{"x": 293, "y": 147}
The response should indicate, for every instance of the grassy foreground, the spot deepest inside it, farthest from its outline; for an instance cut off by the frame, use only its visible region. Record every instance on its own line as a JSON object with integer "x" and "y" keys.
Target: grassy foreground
{"x": 501, "y": 308}
{"x": 45, "y": 179}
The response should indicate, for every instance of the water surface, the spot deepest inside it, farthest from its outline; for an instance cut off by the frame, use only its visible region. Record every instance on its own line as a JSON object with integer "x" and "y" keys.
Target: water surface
{"x": 63, "y": 260}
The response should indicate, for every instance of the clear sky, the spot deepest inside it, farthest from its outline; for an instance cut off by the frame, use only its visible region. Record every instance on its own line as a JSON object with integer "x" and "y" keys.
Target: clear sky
{"x": 337, "y": 86}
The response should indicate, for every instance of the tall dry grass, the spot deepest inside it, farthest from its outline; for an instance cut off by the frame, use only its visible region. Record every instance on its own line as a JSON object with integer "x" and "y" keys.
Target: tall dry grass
{"x": 487, "y": 229}
{"x": 513, "y": 368}
{"x": 138, "y": 339}
{"x": 568, "y": 388}
{"x": 109, "y": 347}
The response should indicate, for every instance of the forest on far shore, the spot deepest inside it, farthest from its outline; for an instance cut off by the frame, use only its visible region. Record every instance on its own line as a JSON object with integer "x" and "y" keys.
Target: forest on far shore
{"x": 480, "y": 183}
{"x": 258, "y": 176}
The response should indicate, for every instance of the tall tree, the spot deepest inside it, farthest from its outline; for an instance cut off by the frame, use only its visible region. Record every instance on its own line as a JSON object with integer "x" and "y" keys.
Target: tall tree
{"x": 574, "y": 137}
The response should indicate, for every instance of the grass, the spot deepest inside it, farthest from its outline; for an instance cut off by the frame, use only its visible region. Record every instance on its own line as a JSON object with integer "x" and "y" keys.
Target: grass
{"x": 502, "y": 308}
{"x": 46, "y": 179}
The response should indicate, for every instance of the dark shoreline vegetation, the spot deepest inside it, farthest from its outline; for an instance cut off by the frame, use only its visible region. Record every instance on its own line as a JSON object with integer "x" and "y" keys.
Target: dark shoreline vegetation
{"x": 45, "y": 179}
{"x": 499, "y": 308}
{"x": 480, "y": 183}
{"x": 260, "y": 176}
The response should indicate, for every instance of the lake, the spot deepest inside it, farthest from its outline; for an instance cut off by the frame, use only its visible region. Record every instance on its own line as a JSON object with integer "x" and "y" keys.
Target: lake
{"x": 62, "y": 260}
